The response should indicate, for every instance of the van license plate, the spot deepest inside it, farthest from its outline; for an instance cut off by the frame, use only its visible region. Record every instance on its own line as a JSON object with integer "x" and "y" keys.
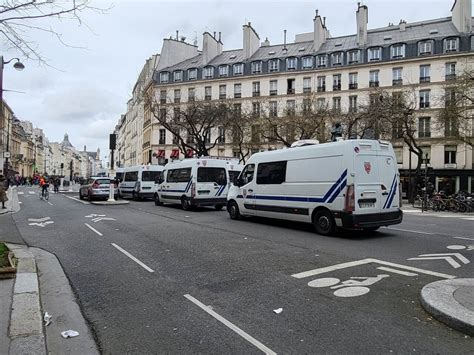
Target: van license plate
{"x": 366, "y": 205}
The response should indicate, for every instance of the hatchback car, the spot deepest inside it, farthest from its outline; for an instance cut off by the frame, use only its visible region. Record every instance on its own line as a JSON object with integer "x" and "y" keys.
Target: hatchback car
{"x": 97, "y": 187}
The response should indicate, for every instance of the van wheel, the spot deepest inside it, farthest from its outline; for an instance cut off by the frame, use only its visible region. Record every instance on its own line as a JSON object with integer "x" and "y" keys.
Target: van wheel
{"x": 324, "y": 223}
{"x": 157, "y": 200}
{"x": 219, "y": 207}
{"x": 185, "y": 205}
{"x": 233, "y": 210}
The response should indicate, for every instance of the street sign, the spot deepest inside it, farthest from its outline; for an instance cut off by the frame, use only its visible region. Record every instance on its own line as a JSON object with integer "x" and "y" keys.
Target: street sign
{"x": 6, "y": 154}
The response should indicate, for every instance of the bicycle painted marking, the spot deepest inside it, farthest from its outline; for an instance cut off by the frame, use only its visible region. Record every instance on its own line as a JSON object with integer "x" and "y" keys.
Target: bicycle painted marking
{"x": 448, "y": 257}
{"x": 395, "y": 271}
{"x": 38, "y": 219}
{"x": 461, "y": 247}
{"x": 41, "y": 224}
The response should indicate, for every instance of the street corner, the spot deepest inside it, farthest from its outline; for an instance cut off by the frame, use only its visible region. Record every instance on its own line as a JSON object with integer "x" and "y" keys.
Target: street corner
{"x": 451, "y": 302}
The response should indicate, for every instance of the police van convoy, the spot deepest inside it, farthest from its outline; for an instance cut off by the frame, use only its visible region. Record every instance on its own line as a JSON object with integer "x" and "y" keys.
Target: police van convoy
{"x": 138, "y": 182}
{"x": 197, "y": 182}
{"x": 351, "y": 184}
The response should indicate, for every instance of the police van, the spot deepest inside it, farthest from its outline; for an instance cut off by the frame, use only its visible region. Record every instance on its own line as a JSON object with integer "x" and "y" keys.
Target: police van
{"x": 197, "y": 182}
{"x": 138, "y": 182}
{"x": 351, "y": 184}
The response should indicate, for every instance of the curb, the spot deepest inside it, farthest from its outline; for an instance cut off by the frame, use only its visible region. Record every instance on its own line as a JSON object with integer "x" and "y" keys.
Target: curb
{"x": 437, "y": 298}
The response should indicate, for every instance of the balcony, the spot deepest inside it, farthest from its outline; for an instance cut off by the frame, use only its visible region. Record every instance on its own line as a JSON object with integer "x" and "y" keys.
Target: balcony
{"x": 146, "y": 123}
{"x": 207, "y": 98}
{"x": 424, "y": 79}
{"x": 256, "y": 93}
{"x": 336, "y": 87}
{"x": 450, "y": 77}
{"x": 290, "y": 91}
{"x": 321, "y": 88}
{"x": 237, "y": 95}
{"x": 353, "y": 86}
{"x": 306, "y": 90}
{"x": 162, "y": 100}
{"x": 177, "y": 100}
{"x": 273, "y": 92}
{"x": 425, "y": 104}
{"x": 222, "y": 96}
{"x": 374, "y": 84}
{"x": 146, "y": 145}
{"x": 397, "y": 82}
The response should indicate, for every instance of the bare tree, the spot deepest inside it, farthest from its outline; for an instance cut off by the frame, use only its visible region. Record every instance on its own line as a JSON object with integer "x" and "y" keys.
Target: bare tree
{"x": 20, "y": 17}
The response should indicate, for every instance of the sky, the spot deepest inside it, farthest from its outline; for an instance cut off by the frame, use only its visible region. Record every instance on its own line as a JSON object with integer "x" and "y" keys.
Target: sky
{"x": 85, "y": 85}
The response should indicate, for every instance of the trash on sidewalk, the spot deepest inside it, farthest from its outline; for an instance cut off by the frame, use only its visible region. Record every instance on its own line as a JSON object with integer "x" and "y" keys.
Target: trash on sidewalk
{"x": 47, "y": 319}
{"x": 69, "y": 334}
{"x": 278, "y": 311}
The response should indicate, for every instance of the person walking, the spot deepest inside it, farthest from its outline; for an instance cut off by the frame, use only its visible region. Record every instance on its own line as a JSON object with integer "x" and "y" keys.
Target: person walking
{"x": 3, "y": 190}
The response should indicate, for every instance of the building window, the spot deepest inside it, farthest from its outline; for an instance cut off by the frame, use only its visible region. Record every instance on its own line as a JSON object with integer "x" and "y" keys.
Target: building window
{"x": 290, "y": 86}
{"x": 178, "y": 75}
{"x": 237, "y": 110}
{"x": 163, "y": 113}
{"x": 163, "y": 97}
{"x": 424, "y": 127}
{"x": 398, "y": 51}
{"x": 221, "y": 138}
{"x": 322, "y": 61}
{"x": 321, "y": 83}
{"x": 374, "y": 78}
{"x": 451, "y": 45}
{"x": 177, "y": 96}
{"x": 353, "y": 103}
{"x": 321, "y": 103}
{"x": 307, "y": 62}
{"x": 336, "y": 104}
{"x": 426, "y": 154}
{"x": 424, "y": 98}
{"x": 274, "y": 65}
{"x": 256, "y": 88}
{"x": 397, "y": 76}
{"x": 162, "y": 136}
{"x": 336, "y": 58}
{"x": 208, "y": 93}
{"x": 256, "y": 67}
{"x": 237, "y": 91}
{"x": 425, "y": 73}
{"x": 164, "y": 77}
{"x": 451, "y": 128}
{"x": 207, "y": 136}
{"x": 336, "y": 82}
{"x": 192, "y": 74}
{"x": 291, "y": 63}
{"x": 238, "y": 69}
{"x": 208, "y": 72}
{"x": 353, "y": 57}
{"x": 256, "y": 109}
{"x": 425, "y": 47}
{"x": 176, "y": 113}
{"x": 191, "y": 94}
{"x": 352, "y": 81}
{"x": 273, "y": 87}
{"x": 224, "y": 70}
{"x": 290, "y": 107}
{"x": 450, "y": 71}
{"x": 222, "y": 91}
{"x": 375, "y": 54}
{"x": 306, "y": 85}
{"x": 450, "y": 154}
{"x": 306, "y": 105}
{"x": 273, "y": 109}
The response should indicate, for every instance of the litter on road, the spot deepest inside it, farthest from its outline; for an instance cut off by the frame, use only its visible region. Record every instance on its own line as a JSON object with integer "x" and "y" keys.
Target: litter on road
{"x": 278, "y": 310}
{"x": 47, "y": 319}
{"x": 69, "y": 334}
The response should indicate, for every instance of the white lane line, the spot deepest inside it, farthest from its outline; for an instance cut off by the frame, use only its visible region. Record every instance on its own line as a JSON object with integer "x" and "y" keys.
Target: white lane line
{"x": 75, "y": 199}
{"x": 21, "y": 193}
{"x": 228, "y": 324}
{"x": 93, "y": 229}
{"x": 463, "y": 238}
{"x": 395, "y": 271}
{"x": 407, "y": 230}
{"x": 133, "y": 258}
{"x": 32, "y": 192}
{"x": 49, "y": 203}
{"x": 468, "y": 218}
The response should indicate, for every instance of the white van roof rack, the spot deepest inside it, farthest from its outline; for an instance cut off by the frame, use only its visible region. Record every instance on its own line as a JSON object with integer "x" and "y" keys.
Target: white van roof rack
{"x": 304, "y": 142}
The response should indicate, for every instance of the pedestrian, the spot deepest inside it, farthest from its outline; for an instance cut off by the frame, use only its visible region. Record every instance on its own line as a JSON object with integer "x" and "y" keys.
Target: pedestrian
{"x": 3, "y": 190}
{"x": 56, "y": 185}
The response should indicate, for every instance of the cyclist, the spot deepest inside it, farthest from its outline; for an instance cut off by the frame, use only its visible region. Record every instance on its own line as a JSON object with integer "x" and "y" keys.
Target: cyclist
{"x": 44, "y": 184}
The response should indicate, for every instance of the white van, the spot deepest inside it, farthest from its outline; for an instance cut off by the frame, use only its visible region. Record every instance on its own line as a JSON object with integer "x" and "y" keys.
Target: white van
{"x": 138, "y": 182}
{"x": 351, "y": 184}
{"x": 197, "y": 182}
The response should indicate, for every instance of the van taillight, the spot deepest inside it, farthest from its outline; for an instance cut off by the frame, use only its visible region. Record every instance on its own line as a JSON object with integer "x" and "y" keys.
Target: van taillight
{"x": 350, "y": 199}
{"x": 193, "y": 190}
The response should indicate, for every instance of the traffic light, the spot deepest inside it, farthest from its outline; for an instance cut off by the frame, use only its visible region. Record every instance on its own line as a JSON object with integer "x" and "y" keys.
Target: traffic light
{"x": 62, "y": 165}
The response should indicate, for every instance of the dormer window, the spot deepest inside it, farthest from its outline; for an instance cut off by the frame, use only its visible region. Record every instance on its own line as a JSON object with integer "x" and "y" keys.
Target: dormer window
{"x": 374, "y": 54}
{"x": 322, "y": 61}
{"x": 336, "y": 58}
{"x": 397, "y": 51}
{"x": 223, "y": 70}
{"x": 256, "y": 67}
{"x": 425, "y": 47}
{"x": 273, "y": 65}
{"x": 178, "y": 75}
{"x": 208, "y": 72}
{"x": 192, "y": 74}
{"x": 291, "y": 63}
{"x": 451, "y": 45}
{"x": 353, "y": 57}
{"x": 238, "y": 69}
{"x": 164, "y": 77}
{"x": 307, "y": 62}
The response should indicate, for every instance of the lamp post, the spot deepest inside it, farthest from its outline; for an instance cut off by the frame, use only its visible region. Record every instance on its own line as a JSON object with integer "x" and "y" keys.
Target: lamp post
{"x": 18, "y": 66}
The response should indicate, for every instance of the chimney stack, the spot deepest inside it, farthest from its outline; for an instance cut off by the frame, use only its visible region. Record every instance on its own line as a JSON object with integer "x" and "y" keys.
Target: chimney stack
{"x": 251, "y": 41}
{"x": 362, "y": 16}
{"x": 461, "y": 15}
{"x": 211, "y": 47}
{"x": 402, "y": 25}
{"x": 320, "y": 32}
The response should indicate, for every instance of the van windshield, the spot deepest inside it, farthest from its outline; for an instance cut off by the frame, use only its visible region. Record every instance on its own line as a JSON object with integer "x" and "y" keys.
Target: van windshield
{"x": 150, "y": 175}
{"x": 216, "y": 175}
{"x": 233, "y": 174}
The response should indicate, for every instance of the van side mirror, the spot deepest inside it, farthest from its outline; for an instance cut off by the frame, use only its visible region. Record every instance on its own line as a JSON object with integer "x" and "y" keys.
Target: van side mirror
{"x": 159, "y": 180}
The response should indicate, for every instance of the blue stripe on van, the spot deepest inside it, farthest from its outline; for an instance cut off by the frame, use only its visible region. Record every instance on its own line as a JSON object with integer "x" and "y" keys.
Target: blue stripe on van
{"x": 189, "y": 184}
{"x": 221, "y": 190}
{"x": 390, "y": 196}
{"x": 393, "y": 195}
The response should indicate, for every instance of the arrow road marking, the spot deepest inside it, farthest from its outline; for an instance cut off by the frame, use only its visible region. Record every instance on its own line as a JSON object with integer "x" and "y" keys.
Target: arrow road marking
{"x": 39, "y": 219}
{"x": 42, "y": 224}
{"x": 98, "y": 219}
{"x": 94, "y": 215}
{"x": 445, "y": 256}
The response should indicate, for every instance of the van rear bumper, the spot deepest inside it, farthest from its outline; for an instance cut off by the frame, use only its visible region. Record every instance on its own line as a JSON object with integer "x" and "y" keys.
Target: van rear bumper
{"x": 369, "y": 220}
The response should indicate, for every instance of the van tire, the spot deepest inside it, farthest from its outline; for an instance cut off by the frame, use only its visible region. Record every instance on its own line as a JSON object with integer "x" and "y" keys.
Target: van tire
{"x": 233, "y": 210}
{"x": 185, "y": 205}
{"x": 157, "y": 200}
{"x": 324, "y": 222}
{"x": 218, "y": 207}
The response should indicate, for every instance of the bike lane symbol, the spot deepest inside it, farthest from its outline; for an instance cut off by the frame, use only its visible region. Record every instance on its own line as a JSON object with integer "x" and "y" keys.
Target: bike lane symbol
{"x": 354, "y": 287}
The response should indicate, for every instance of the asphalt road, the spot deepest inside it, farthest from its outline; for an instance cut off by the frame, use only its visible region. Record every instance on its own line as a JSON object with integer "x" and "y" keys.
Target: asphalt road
{"x": 201, "y": 282}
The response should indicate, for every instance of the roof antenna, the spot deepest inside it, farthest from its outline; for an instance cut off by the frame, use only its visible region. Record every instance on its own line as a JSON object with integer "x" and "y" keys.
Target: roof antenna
{"x": 284, "y": 41}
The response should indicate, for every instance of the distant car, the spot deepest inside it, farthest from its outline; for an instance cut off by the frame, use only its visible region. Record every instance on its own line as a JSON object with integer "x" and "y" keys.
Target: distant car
{"x": 97, "y": 187}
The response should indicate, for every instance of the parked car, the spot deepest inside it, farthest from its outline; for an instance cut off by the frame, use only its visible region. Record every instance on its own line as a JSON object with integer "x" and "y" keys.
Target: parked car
{"x": 97, "y": 187}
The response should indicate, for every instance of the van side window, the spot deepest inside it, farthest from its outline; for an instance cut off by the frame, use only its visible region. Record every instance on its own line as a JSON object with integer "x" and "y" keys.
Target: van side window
{"x": 179, "y": 175}
{"x": 233, "y": 174}
{"x": 150, "y": 175}
{"x": 271, "y": 173}
{"x": 131, "y": 176}
{"x": 247, "y": 174}
{"x": 216, "y": 175}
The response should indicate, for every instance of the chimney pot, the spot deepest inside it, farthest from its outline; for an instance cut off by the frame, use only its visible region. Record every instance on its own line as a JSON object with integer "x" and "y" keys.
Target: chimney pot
{"x": 214, "y": 34}
{"x": 324, "y": 21}
{"x": 220, "y": 34}
{"x": 177, "y": 32}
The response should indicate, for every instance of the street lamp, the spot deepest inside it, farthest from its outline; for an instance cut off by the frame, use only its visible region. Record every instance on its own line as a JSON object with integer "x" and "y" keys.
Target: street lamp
{"x": 18, "y": 66}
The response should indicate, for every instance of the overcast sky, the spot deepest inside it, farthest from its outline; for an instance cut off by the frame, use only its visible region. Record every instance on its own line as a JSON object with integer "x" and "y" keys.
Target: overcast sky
{"x": 86, "y": 91}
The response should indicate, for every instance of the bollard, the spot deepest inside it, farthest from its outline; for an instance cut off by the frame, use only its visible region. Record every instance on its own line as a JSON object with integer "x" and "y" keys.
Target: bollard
{"x": 111, "y": 193}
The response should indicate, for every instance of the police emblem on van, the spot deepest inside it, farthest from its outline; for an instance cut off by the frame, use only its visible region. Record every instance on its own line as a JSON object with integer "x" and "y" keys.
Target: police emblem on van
{"x": 367, "y": 167}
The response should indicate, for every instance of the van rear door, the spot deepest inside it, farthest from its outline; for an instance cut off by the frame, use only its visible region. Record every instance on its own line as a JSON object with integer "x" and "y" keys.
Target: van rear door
{"x": 367, "y": 184}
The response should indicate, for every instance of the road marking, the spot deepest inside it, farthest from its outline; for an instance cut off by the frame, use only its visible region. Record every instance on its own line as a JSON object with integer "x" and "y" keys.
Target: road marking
{"x": 39, "y": 219}
{"x": 444, "y": 256}
{"x": 407, "y": 230}
{"x": 49, "y": 203}
{"x": 93, "y": 229}
{"x": 230, "y": 325}
{"x": 21, "y": 193}
{"x": 75, "y": 199}
{"x": 98, "y": 219}
{"x": 324, "y": 270}
{"x": 94, "y": 215}
{"x": 395, "y": 271}
{"x": 32, "y": 192}
{"x": 133, "y": 258}
{"x": 41, "y": 224}
{"x": 463, "y": 238}
{"x": 469, "y": 219}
